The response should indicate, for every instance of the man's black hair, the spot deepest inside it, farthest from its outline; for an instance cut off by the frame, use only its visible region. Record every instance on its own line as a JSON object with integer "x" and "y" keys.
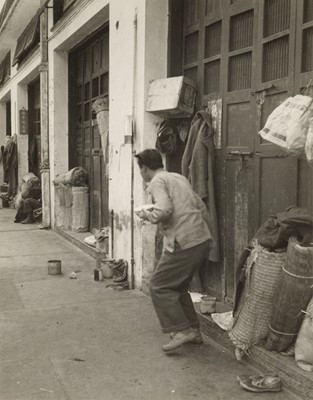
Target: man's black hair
{"x": 151, "y": 158}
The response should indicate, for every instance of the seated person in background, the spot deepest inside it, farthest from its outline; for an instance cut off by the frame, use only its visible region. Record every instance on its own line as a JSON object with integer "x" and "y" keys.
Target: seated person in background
{"x": 28, "y": 200}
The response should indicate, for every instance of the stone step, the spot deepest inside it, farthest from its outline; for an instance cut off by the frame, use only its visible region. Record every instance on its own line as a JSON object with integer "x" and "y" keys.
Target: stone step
{"x": 293, "y": 378}
{"x": 77, "y": 238}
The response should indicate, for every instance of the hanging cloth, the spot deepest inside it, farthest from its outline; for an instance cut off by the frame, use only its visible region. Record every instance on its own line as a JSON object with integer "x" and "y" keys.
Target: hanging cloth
{"x": 167, "y": 137}
{"x": 198, "y": 167}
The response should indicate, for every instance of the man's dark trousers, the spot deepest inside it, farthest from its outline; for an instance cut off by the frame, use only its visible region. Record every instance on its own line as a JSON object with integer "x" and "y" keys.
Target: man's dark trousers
{"x": 169, "y": 287}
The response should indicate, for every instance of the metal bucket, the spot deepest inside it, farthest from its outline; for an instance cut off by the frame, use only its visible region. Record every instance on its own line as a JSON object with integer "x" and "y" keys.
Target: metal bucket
{"x": 107, "y": 269}
{"x": 54, "y": 267}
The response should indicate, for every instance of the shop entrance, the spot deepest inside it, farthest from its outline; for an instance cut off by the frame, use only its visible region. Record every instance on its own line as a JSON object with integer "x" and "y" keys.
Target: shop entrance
{"x": 89, "y": 80}
{"x": 250, "y": 55}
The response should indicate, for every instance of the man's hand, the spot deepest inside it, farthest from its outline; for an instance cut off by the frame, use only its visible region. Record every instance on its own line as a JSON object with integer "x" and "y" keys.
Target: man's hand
{"x": 144, "y": 215}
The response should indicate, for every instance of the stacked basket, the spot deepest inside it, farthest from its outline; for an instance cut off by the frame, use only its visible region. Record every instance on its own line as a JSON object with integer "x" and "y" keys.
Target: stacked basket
{"x": 294, "y": 291}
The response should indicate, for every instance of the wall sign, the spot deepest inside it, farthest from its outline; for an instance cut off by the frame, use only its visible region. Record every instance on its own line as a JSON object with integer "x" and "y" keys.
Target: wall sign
{"x": 23, "y": 121}
{"x": 215, "y": 110}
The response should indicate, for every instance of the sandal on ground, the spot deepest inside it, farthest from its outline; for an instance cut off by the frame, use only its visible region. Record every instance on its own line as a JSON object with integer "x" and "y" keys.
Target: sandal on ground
{"x": 260, "y": 383}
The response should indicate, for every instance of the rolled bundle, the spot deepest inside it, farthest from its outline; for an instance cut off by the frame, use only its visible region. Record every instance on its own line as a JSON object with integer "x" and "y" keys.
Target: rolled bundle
{"x": 293, "y": 295}
{"x": 252, "y": 318}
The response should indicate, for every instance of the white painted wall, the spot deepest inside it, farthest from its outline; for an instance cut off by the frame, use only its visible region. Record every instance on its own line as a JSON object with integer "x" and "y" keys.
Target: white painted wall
{"x": 151, "y": 63}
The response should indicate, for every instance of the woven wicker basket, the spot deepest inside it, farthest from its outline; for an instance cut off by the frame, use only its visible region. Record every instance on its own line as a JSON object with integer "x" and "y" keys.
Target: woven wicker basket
{"x": 253, "y": 315}
{"x": 293, "y": 295}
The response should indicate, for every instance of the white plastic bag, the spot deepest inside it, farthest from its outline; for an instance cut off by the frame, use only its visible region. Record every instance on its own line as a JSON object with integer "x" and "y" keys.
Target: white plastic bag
{"x": 304, "y": 343}
{"x": 309, "y": 142}
{"x": 287, "y": 126}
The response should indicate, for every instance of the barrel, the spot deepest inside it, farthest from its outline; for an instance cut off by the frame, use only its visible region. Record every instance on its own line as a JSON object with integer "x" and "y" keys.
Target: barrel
{"x": 80, "y": 209}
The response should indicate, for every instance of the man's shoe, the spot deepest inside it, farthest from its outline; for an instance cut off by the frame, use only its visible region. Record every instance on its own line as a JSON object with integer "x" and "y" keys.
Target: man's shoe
{"x": 28, "y": 221}
{"x": 179, "y": 338}
{"x": 197, "y": 340}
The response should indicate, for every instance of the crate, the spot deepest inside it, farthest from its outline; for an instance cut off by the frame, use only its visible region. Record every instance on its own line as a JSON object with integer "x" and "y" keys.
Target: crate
{"x": 172, "y": 97}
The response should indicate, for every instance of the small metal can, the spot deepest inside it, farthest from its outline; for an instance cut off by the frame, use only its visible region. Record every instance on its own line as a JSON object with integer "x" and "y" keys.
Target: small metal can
{"x": 98, "y": 274}
{"x": 54, "y": 267}
{"x": 208, "y": 304}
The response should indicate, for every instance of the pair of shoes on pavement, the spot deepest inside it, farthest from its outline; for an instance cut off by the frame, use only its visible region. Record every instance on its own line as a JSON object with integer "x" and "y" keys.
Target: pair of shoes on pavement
{"x": 189, "y": 335}
{"x": 260, "y": 383}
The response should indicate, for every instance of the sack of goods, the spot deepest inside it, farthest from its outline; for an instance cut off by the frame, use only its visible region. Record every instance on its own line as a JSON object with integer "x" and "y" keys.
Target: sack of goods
{"x": 294, "y": 291}
{"x": 304, "y": 343}
{"x": 287, "y": 126}
{"x": 309, "y": 143}
{"x": 251, "y": 324}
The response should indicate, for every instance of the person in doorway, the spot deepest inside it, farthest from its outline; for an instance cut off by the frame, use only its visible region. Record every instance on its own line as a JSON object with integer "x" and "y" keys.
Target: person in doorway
{"x": 29, "y": 201}
{"x": 187, "y": 238}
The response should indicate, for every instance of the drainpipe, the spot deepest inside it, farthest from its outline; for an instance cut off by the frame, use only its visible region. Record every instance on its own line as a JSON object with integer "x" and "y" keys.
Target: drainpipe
{"x": 132, "y": 261}
{"x": 44, "y": 120}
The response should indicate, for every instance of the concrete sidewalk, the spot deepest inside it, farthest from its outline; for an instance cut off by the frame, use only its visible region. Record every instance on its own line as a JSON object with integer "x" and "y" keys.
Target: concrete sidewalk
{"x": 65, "y": 339}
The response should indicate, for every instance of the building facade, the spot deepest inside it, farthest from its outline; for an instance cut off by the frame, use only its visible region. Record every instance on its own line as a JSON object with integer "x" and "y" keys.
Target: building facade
{"x": 59, "y": 56}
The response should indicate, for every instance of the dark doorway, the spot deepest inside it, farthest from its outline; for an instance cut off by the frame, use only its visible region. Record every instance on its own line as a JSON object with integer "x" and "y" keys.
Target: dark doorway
{"x": 8, "y": 118}
{"x": 34, "y": 138}
{"x": 89, "y": 80}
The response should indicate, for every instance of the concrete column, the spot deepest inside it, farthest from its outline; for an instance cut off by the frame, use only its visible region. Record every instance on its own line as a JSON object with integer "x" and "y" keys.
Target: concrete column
{"x": 44, "y": 117}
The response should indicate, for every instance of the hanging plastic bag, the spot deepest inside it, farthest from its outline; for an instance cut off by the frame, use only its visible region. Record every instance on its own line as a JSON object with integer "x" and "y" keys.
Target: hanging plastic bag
{"x": 304, "y": 343}
{"x": 287, "y": 126}
{"x": 309, "y": 143}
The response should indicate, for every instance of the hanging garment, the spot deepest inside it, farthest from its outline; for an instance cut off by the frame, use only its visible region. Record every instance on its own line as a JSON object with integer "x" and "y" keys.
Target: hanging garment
{"x": 167, "y": 138}
{"x": 10, "y": 165}
{"x": 198, "y": 167}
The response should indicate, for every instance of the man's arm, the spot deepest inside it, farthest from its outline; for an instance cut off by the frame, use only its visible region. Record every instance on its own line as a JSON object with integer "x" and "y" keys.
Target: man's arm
{"x": 162, "y": 202}
{"x": 203, "y": 209}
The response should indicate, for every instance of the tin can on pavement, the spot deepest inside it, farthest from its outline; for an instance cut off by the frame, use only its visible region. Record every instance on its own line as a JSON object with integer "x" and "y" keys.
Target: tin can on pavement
{"x": 54, "y": 267}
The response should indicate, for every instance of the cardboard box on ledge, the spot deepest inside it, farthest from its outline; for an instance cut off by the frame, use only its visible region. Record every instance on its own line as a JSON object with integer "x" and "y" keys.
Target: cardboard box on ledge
{"x": 172, "y": 97}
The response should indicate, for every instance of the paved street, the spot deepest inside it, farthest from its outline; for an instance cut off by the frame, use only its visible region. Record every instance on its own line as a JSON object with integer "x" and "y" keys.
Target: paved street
{"x": 65, "y": 339}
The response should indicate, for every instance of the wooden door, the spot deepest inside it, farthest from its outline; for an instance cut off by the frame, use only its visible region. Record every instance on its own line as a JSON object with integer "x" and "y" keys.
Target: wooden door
{"x": 251, "y": 55}
{"x": 90, "y": 65}
{"x": 34, "y": 128}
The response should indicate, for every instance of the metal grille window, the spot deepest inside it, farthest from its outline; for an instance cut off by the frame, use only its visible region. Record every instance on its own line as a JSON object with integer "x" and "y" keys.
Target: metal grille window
{"x": 212, "y": 54}
{"x": 240, "y": 72}
{"x": 307, "y": 37}
{"x": 275, "y": 59}
{"x": 213, "y": 39}
{"x": 240, "y": 51}
{"x": 307, "y": 50}
{"x": 191, "y": 48}
{"x": 307, "y": 11}
{"x": 276, "y": 16}
{"x": 241, "y": 28}
{"x": 276, "y": 30}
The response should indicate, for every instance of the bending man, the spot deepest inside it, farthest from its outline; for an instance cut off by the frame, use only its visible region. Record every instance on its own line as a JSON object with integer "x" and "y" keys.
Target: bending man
{"x": 187, "y": 238}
